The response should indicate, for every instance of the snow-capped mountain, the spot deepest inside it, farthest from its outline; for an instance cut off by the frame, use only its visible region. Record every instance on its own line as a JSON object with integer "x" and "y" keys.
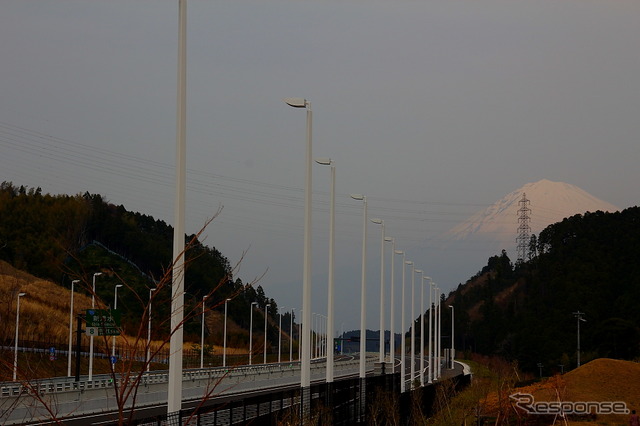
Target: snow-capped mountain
{"x": 549, "y": 202}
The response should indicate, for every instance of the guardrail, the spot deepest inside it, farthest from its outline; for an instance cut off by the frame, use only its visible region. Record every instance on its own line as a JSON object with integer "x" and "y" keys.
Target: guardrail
{"x": 98, "y": 396}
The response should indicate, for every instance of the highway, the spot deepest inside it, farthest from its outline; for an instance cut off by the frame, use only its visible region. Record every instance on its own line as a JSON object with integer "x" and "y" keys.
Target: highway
{"x": 67, "y": 398}
{"x": 86, "y": 402}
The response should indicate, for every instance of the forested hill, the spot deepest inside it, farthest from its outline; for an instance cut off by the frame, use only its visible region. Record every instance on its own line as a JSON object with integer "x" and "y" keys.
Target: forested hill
{"x": 62, "y": 237}
{"x": 587, "y": 263}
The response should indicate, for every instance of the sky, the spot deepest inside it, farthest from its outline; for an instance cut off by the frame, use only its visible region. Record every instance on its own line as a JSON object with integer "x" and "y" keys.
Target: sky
{"x": 432, "y": 109}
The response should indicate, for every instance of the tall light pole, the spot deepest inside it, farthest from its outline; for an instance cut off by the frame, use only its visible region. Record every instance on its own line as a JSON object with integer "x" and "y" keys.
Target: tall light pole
{"x": 174, "y": 396}
{"x": 204, "y": 298}
{"x": 432, "y": 287}
{"x": 266, "y": 314}
{"x": 291, "y": 336}
{"x": 422, "y": 329}
{"x": 224, "y": 339}
{"x": 452, "y": 354}
{"x": 412, "y": 359}
{"x": 299, "y": 341}
{"x": 93, "y": 305}
{"x": 151, "y": 290}
{"x": 413, "y": 324}
{"x": 280, "y": 335}
{"x": 392, "y": 340}
{"x": 70, "y": 329}
{"x": 438, "y": 332}
{"x": 15, "y": 350}
{"x": 403, "y": 365}
{"x": 381, "y": 223}
{"x": 436, "y": 354}
{"x": 115, "y": 307}
{"x": 251, "y": 331}
{"x": 316, "y": 336}
{"x": 363, "y": 288}
{"x": 579, "y": 318}
{"x": 305, "y": 364}
{"x": 330, "y": 292}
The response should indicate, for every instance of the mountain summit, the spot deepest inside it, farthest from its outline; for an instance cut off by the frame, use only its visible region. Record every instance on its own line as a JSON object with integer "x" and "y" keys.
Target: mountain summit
{"x": 550, "y": 202}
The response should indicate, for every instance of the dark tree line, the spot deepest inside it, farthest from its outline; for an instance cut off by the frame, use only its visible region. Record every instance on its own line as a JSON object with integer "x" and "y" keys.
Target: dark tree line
{"x": 62, "y": 237}
{"x": 586, "y": 263}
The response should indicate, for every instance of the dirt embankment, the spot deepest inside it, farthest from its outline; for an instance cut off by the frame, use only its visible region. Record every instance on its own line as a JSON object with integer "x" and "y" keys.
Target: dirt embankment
{"x": 597, "y": 381}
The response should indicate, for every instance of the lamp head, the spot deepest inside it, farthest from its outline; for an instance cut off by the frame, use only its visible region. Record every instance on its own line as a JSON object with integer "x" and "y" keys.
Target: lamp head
{"x": 418, "y": 271}
{"x": 96, "y": 274}
{"x": 408, "y": 262}
{"x": 296, "y": 102}
{"x": 118, "y": 285}
{"x": 324, "y": 161}
{"x": 377, "y": 221}
{"x": 22, "y": 294}
{"x": 399, "y": 252}
{"x": 358, "y": 197}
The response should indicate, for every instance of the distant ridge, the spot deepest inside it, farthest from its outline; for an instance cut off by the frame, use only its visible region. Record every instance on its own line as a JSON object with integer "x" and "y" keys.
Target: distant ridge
{"x": 550, "y": 202}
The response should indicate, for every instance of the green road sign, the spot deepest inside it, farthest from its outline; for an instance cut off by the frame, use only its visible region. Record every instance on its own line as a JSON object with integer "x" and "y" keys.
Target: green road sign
{"x": 103, "y": 322}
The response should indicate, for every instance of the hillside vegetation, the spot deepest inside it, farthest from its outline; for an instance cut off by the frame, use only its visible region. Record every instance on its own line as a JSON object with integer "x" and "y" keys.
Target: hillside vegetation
{"x": 61, "y": 238}
{"x": 525, "y": 312}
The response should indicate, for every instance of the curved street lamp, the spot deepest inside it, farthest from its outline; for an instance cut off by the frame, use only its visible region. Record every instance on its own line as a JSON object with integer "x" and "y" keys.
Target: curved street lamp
{"x": 204, "y": 298}
{"x": 151, "y": 290}
{"x": 412, "y": 359}
{"x": 330, "y": 292}
{"x": 363, "y": 288}
{"x": 403, "y": 365}
{"x": 432, "y": 287}
{"x": 93, "y": 305}
{"x": 305, "y": 364}
{"x": 224, "y": 340}
{"x": 266, "y": 314}
{"x": 438, "y": 365}
{"x": 422, "y": 343}
{"x": 115, "y": 306}
{"x": 15, "y": 351}
{"x": 413, "y": 324}
{"x": 381, "y": 223}
{"x": 280, "y": 334}
{"x": 251, "y": 330}
{"x": 452, "y": 354}
{"x": 392, "y": 341}
{"x": 70, "y": 329}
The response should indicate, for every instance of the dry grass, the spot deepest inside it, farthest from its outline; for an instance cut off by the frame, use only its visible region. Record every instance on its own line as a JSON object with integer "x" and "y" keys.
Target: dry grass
{"x": 599, "y": 380}
{"x": 44, "y": 311}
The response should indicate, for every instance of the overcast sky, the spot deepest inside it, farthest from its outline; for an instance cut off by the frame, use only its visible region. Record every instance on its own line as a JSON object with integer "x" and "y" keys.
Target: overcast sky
{"x": 432, "y": 109}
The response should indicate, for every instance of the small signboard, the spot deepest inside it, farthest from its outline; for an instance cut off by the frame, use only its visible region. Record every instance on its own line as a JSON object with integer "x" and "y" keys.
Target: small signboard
{"x": 102, "y": 331}
{"x": 52, "y": 354}
{"x": 113, "y": 359}
{"x": 103, "y": 322}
